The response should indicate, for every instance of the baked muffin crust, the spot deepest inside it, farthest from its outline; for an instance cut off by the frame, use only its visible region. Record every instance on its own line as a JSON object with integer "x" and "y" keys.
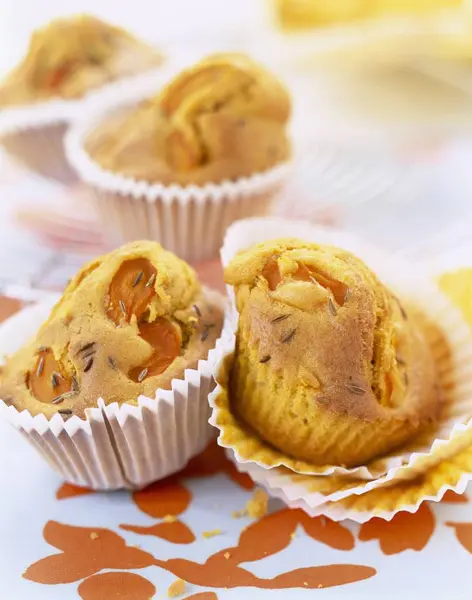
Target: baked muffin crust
{"x": 71, "y": 56}
{"x": 128, "y": 323}
{"x": 330, "y": 367}
{"x": 223, "y": 118}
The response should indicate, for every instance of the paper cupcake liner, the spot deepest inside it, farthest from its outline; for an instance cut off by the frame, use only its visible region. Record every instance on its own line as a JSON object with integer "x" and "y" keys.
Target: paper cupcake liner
{"x": 34, "y": 134}
{"x": 454, "y": 367}
{"x": 188, "y": 220}
{"x": 118, "y": 446}
{"x": 385, "y": 502}
{"x": 315, "y": 491}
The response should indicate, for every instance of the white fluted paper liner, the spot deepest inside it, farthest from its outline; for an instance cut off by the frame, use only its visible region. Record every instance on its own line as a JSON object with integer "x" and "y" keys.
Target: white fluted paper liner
{"x": 117, "y": 446}
{"x": 188, "y": 220}
{"x": 34, "y": 133}
{"x": 454, "y": 431}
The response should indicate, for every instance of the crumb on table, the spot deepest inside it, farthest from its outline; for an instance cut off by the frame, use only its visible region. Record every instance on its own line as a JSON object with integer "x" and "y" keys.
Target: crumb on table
{"x": 94, "y": 535}
{"x": 257, "y": 505}
{"x": 170, "y": 519}
{"x": 211, "y": 533}
{"x": 237, "y": 514}
{"x": 176, "y": 588}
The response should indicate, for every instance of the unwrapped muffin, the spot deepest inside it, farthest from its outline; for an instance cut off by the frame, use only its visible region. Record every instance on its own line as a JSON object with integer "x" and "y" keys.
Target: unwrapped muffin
{"x": 329, "y": 366}
{"x": 128, "y": 323}
{"x": 71, "y": 56}
{"x": 222, "y": 119}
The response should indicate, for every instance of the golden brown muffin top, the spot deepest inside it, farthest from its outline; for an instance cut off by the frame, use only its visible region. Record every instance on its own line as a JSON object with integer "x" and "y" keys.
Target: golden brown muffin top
{"x": 128, "y": 323}
{"x": 68, "y": 57}
{"x": 321, "y": 315}
{"x": 223, "y": 118}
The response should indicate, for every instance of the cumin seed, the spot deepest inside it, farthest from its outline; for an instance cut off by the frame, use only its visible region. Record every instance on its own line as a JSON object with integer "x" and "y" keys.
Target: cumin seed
{"x": 138, "y": 278}
{"x": 86, "y": 347}
{"x": 142, "y": 375}
{"x": 332, "y": 308}
{"x": 265, "y": 359}
{"x": 74, "y": 386}
{"x": 151, "y": 280}
{"x": 197, "y": 310}
{"x": 289, "y": 336}
{"x": 88, "y": 364}
{"x": 39, "y": 370}
{"x": 355, "y": 389}
{"x": 281, "y": 318}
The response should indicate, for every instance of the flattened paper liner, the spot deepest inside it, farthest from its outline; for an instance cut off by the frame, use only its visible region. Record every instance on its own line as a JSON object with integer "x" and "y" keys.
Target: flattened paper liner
{"x": 126, "y": 446}
{"x": 313, "y": 492}
{"x": 385, "y": 502}
{"x": 34, "y": 133}
{"x": 188, "y": 220}
{"x": 454, "y": 361}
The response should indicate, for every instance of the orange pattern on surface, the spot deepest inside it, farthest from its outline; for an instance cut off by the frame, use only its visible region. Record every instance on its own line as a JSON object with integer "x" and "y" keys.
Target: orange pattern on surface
{"x": 463, "y": 534}
{"x": 404, "y": 532}
{"x": 175, "y": 532}
{"x": 166, "y": 497}
{"x": 327, "y": 531}
{"x": 8, "y": 307}
{"x": 203, "y": 596}
{"x": 212, "y": 461}
{"x": 122, "y": 585}
{"x": 265, "y": 537}
{"x": 67, "y": 490}
{"x": 451, "y": 497}
{"x": 85, "y": 551}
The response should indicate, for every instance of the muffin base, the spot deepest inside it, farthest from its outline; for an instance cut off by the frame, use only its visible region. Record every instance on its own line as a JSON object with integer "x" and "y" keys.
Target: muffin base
{"x": 41, "y": 150}
{"x": 119, "y": 446}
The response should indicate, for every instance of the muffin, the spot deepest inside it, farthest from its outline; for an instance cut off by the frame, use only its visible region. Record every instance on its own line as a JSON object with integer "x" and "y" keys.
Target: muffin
{"x": 208, "y": 148}
{"x": 71, "y": 56}
{"x": 329, "y": 366}
{"x": 65, "y": 61}
{"x": 222, "y": 119}
{"x": 127, "y": 324}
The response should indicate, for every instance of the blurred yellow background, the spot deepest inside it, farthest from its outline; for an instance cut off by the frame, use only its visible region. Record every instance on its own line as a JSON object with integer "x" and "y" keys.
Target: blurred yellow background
{"x": 303, "y": 14}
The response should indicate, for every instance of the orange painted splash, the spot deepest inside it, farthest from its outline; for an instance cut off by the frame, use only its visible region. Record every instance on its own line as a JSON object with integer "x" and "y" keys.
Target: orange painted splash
{"x": 8, "y": 307}
{"x": 84, "y": 552}
{"x": 265, "y": 537}
{"x": 463, "y": 534}
{"x": 122, "y": 585}
{"x": 203, "y": 596}
{"x": 451, "y": 497}
{"x": 67, "y": 490}
{"x": 328, "y": 532}
{"x": 232, "y": 576}
{"x": 167, "y": 497}
{"x": 405, "y": 531}
{"x": 212, "y": 461}
{"x": 176, "y": 532}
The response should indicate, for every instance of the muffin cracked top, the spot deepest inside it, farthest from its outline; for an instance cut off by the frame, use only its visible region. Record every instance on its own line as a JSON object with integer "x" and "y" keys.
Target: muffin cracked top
{"x": 127, "y": 324}
{"x": 68, "y": 57}
{"x": 224, "y": 118}
{"x": 330, "y": 367}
